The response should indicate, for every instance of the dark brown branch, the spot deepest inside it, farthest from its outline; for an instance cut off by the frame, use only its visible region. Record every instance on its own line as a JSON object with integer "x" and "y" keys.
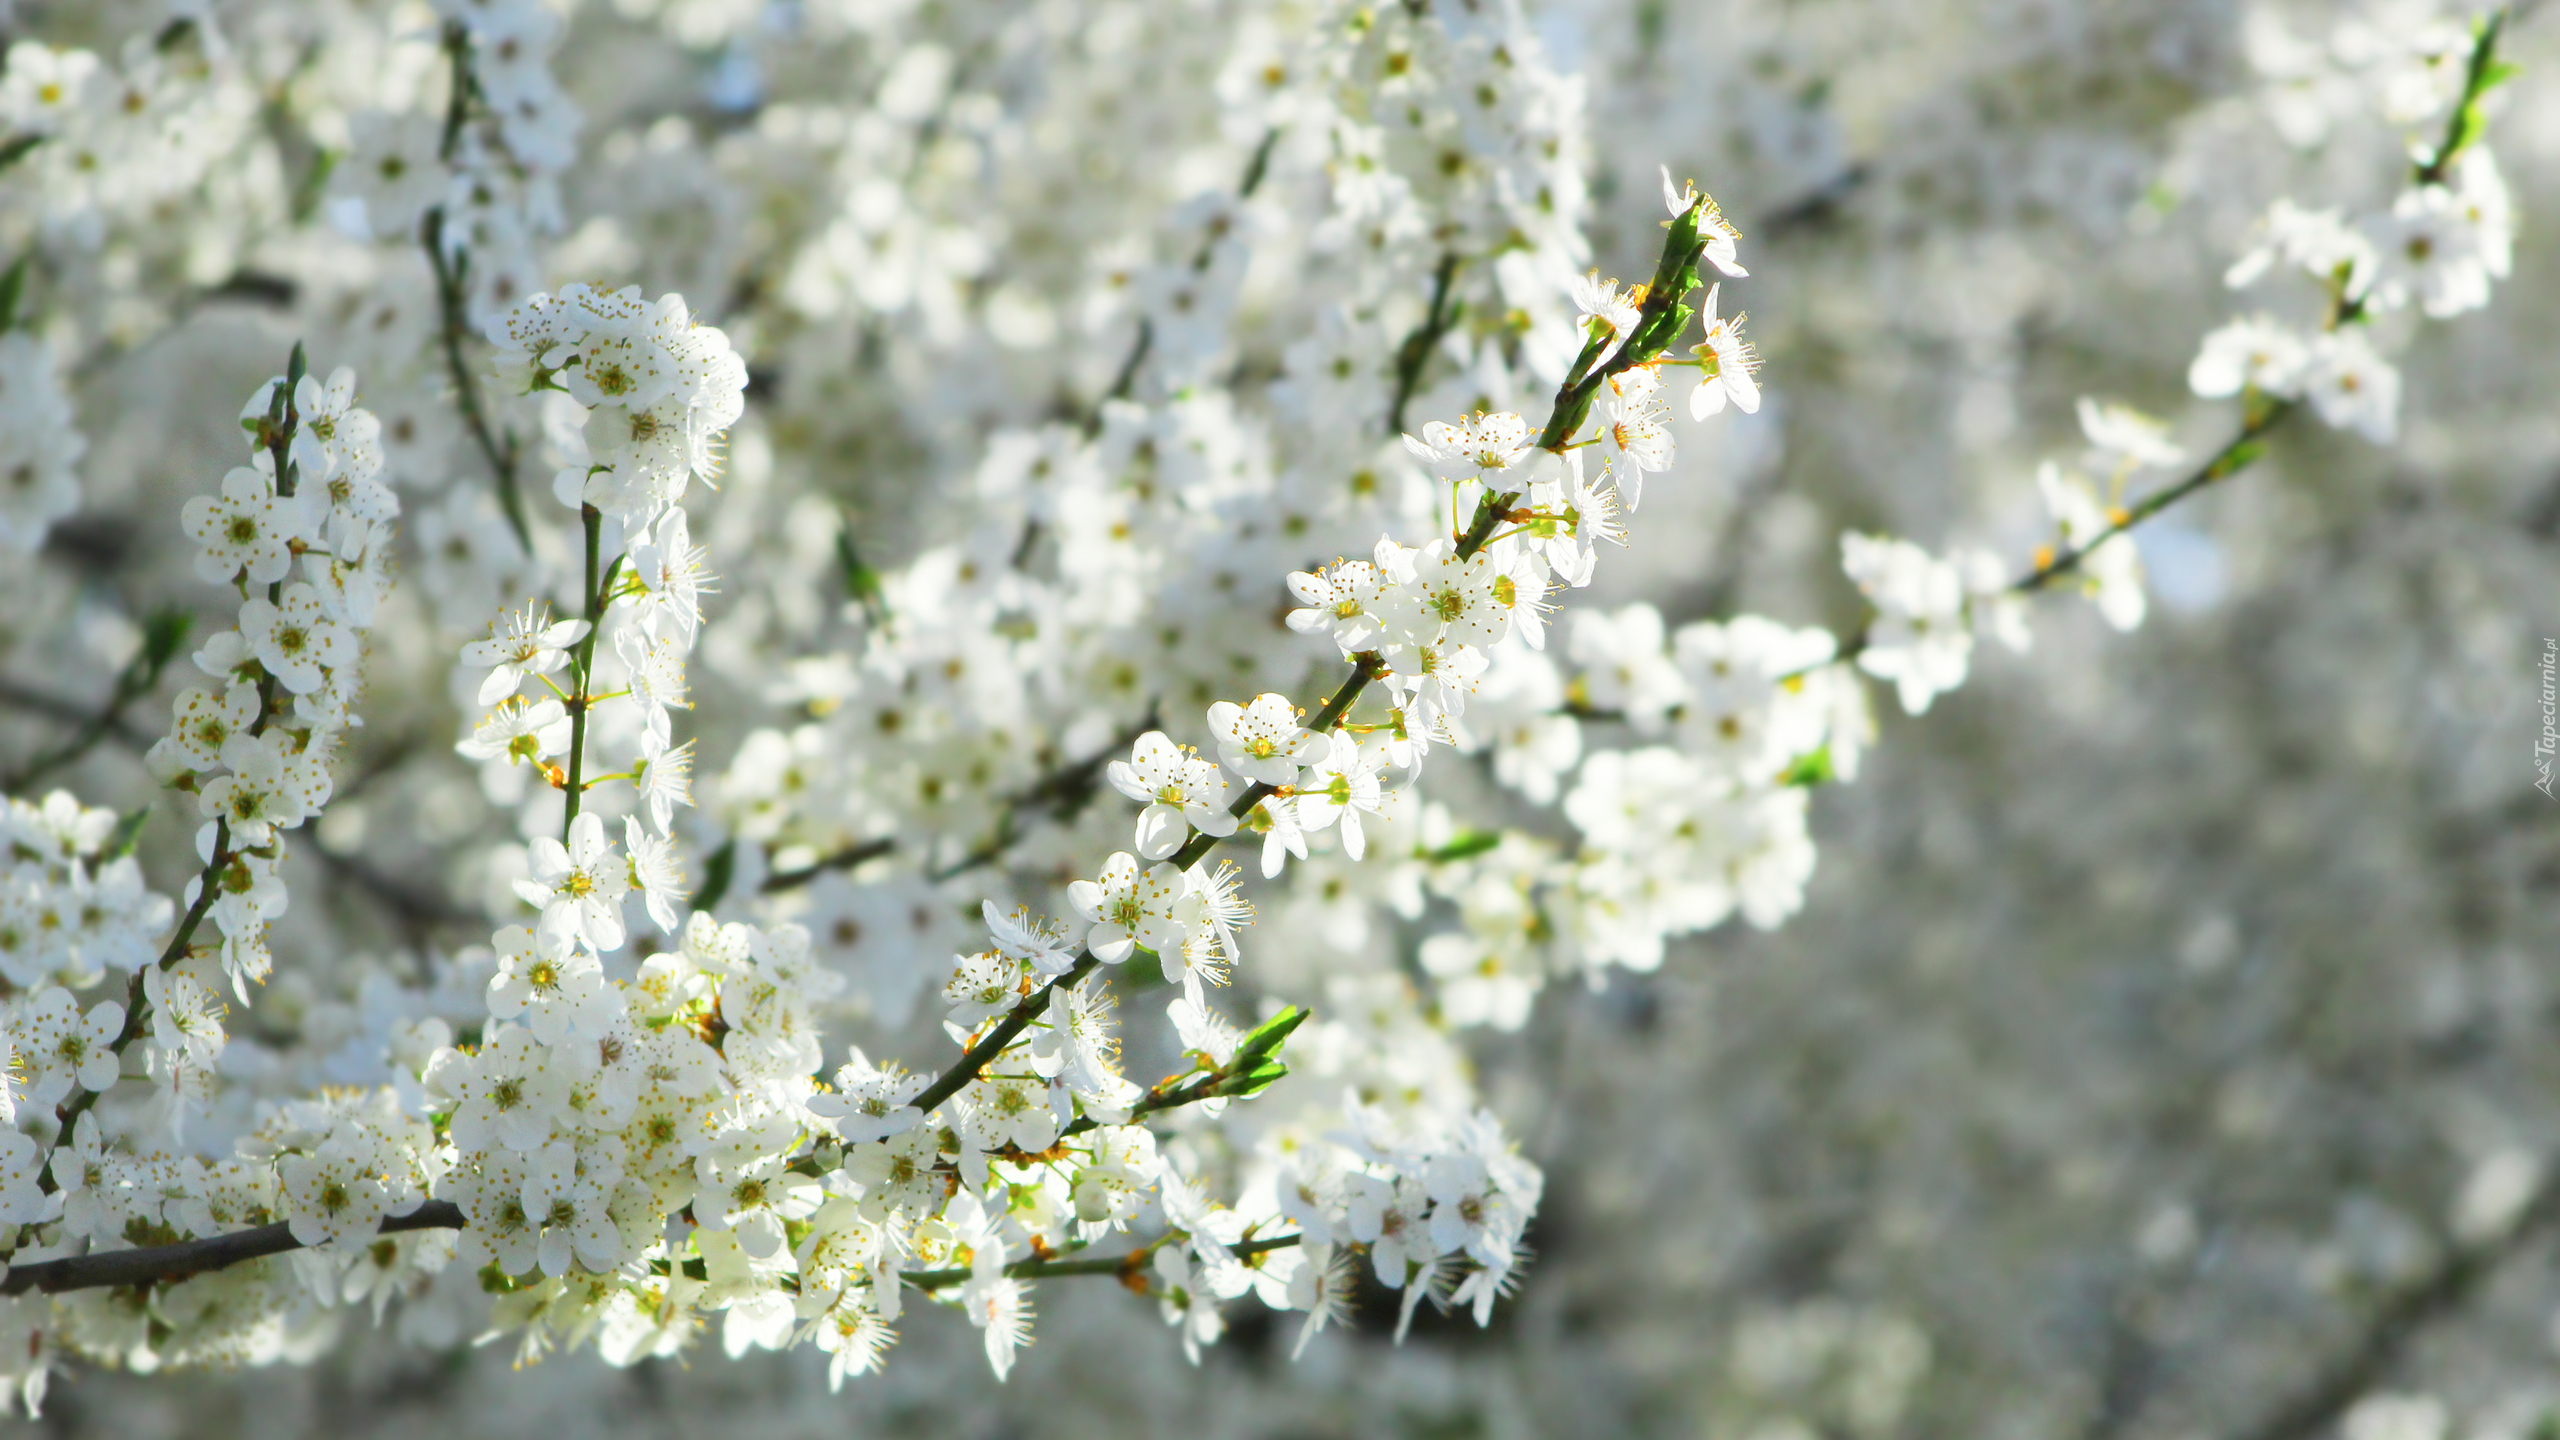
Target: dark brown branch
{"x": 162, "y": 1264}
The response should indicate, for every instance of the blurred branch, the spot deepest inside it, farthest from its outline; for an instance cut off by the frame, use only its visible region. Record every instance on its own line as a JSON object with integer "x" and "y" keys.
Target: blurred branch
{"x": 2236, "y": 455}
{"x": 2401, "y": 1318}
{"x": 162, "y": 634}
{"x": 1062, "y": 793}
{"x": 1415, "y": 353}
{"x": 36, "y": 702}
{"x": 1821, "y": 205}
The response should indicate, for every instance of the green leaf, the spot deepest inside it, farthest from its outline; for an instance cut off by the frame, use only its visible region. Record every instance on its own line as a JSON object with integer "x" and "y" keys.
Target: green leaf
{"x": 861, "y": 582}
{"x": 127, "y": 834}
{"x": 1254, "y": 1082}
{"x": 1465, "y": 844}
{"x": 162, "y": 635}
{"x": 15, "y": 148}
{"x": 1812, "y": 768}
{"x": 12, "y": 286}
{"x": 1266, "y": 1037}
{"x": 717, "y": 872}
{"x": 315, "y": 184}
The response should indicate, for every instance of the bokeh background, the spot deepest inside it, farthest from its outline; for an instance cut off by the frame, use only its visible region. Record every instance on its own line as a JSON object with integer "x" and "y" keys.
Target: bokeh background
{"x": 2166, "y": 1047}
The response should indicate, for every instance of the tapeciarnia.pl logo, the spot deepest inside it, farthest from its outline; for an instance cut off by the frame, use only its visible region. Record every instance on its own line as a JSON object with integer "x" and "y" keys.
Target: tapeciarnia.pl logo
{"x": 2549, "y": 742}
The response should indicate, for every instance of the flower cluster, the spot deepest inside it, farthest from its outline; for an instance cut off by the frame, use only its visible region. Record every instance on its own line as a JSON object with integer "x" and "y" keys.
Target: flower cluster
{"x": 104, "y": 140}
{"x": 304, "y": 532}
{"x": 483, "y": 167}
{"x": 2445, "y": 240}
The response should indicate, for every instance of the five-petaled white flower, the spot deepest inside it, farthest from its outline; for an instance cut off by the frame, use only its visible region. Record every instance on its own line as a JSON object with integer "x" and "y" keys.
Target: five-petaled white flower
{"x": 2351, "y": 386}
{"x": 205, "y": 722}
{"x": 246, "y": 527}
{"x": 1339, "y": 787}
{"x": 2255, "y": 351}
{"x": 1263, "y": 741}
{"x": 521, "y": 644}
{"x": 578, "y": 886}
{"x": 335, "y": 1198}
{"x": 1726, "y": 364}
{"x": 295, "y": 638}
{"x": 1130, "y": 908}
{"x": 1342, "y": 599}
{"x": 1459, "y": 599}
{"x": 521, "y": 728}
{"x": 1637, "y": 436}
{"x": 64, "y": 1048}
{"x": 270, "y": 787}
{"x": 556, "y": 989}
{"x": 1476, "y": 446}
{"x": 1607, "y": 313}
{"x": 1919, "y": 639}
{"x": 1177, "y": 787}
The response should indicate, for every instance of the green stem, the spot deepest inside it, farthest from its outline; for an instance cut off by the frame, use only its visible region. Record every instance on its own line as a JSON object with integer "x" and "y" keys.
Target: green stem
{"x": 2235, "y": 456}
{"x": 582, "y": 661}
{"x": 1415, "y": 353}
{"x": 453, "y": 322}
{"x": 2478, "y": 77}
{"x": 1015, "y": 1021}
{"x": 163, "y": 634}
{"x": 1090, "y": 1265}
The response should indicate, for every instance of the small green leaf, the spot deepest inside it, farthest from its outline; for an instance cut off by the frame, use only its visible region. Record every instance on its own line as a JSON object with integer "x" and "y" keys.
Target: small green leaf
{"x": 1463, "y": 845}
{"x": 127, "y": 834}
{"x": 2236, "y": 459}
{"x": 717, "y": 872}
{"x": 1812, "y": 768}
{"x": 861, "y": 582}
{"x": 1266, "y": 1037}
{"x": 12, "y": 286}
{"x": 15, "y": 148}
{"x": 1254, "y": 1082}
{"x": 315, "y": 184}
{"x": 162, "y": 635}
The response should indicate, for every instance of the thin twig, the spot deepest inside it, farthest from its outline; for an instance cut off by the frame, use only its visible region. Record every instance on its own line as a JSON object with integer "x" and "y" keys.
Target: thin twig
{"x": 582, "y": 661}
{"x": 844, "y": 859}
{"x": 2396, "y": 1323}
{"x": 1123, "y": 1265}
{"x": 450, "y": 274}
{"x": 165, "y": 633}
{"x": 2236, "y": 455}
{"x": 163, "y": 1264}
{"x": 168, "y": 1264}
{"x": 1415, "y": 353}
